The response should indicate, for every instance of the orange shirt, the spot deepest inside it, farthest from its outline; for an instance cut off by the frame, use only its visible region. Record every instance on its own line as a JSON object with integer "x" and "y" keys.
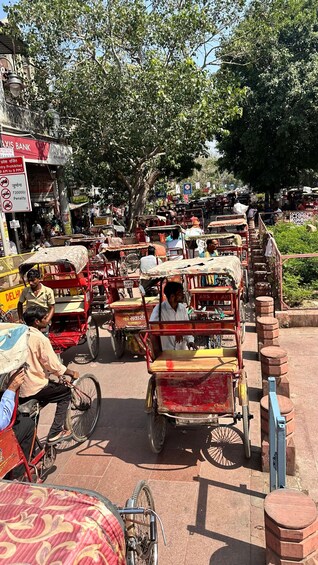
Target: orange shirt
{"x": 42, "y": 361}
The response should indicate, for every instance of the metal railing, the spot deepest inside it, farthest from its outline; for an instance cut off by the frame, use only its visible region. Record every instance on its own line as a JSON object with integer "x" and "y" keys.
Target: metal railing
{"x": 277, "y": 439}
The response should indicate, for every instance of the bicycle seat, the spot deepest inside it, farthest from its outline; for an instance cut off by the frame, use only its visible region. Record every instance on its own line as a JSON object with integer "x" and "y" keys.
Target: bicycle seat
{"x": 30, "y": 407}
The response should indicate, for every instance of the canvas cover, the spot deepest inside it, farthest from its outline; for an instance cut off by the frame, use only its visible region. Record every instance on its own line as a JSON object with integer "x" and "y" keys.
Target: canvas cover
{"x": 228, "y": 223}
{"x": 74, "y": 255}
{"x": 229, "y": 266}
{"x": 207, "y": 236}
{"x": 13, "y": 347}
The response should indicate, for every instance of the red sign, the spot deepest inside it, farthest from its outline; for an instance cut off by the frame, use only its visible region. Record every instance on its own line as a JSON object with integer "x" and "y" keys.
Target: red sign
{"x": 14, "y": 188}
{"x": 31, "y": 149}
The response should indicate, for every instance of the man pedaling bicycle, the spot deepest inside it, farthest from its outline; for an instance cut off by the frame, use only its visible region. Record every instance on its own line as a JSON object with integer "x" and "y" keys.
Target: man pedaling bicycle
{"x": 42, "y": 362}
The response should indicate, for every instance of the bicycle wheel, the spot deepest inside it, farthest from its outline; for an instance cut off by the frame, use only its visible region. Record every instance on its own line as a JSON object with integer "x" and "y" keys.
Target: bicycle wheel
{"x": 118, "y": 342}
{"x": 132, "y": 262}
{"x": 146, "y": 550}
{"x": 92, "y": 336}
{"x": 156, "y": 426}
{"x": 246, "y": 431}
{"x": 243, "y": 321}
{"x": 83, "y": 414}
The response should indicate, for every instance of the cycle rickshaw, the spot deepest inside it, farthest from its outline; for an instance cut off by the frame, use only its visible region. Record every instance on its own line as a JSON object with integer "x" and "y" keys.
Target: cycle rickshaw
{"x": 65, "y": 524}
{"x": 196, "y": 388}
{"x": 159, "y": 237}
{"x": 72, "y": 525}
{"x": 66, "y": 270}
{"x": 81, "y": 419}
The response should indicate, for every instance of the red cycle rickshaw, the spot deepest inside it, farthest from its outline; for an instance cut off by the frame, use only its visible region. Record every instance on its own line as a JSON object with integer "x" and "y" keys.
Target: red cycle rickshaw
{"x": 195, "y": 388}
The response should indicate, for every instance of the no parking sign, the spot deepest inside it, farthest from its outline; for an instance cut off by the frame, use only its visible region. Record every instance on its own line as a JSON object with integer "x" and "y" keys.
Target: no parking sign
{"x": 14, "y": 188}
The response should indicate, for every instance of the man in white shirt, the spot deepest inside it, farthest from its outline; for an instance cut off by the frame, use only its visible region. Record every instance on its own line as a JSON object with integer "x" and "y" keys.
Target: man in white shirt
{"x": 146, "y": 263}
{"x": 172, "y": 310}
{"x": 196, "y": 230}
{"x": 174, "y": 247}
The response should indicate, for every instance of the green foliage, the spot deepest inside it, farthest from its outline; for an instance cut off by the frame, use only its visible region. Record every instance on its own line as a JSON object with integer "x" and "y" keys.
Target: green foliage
{"x": 273, "y": 55}
{"x": 300, "y": 276}
{"x": 131, "y": 81}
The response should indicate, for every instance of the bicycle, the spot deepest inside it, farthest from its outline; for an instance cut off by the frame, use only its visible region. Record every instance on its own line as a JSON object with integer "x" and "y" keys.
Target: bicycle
{"x": 141, "y": 536}
{"x": 81, "y": 419}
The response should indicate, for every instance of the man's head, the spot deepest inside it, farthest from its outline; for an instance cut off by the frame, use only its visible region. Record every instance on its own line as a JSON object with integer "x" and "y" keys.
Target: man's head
{"x": 151, "y": 250}
{"x": 175, "y": 234}
{"x": 212, "y": 245}
{"x": 195, "y": 222}
{"x": 34, "y": 317}
{"x": 34, "y": 278}
{"x": 174, "y": 293}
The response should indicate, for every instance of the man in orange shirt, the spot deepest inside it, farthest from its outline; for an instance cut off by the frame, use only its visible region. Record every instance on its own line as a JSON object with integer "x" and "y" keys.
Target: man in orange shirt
{"x": 42, "y": 361}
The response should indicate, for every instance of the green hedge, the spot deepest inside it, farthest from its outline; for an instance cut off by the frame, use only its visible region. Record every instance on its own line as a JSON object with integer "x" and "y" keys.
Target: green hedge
{"x": 300, "y": 276}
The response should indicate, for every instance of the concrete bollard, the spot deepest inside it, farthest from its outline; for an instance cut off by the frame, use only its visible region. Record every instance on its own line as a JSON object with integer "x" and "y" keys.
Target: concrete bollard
{"x": 291, "y": 528}
{"x": 260, "y": 267}
{"x": 288, "y": 411}
{"x": 260, "y": 276}
{"x": 267, "y": 329}
{"x": 274, "y": 363}
{"x": 264, "y": 306}
{"x": 262, "y": 289}
{"x": 251, "y": 225}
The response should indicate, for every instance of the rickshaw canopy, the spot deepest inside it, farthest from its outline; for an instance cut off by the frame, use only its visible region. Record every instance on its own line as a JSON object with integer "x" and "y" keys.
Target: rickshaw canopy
{"x": 207, "y": 236}
{"x": 229, "y": 266}
{"x": 76, "y": 256}
{"x": 161, "y": 229}
{"x": 228, "y": 223}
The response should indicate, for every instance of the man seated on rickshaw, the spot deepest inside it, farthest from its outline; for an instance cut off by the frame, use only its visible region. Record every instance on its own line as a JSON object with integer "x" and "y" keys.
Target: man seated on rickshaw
{"x": 43, "y": 361}
{"x": 146, "y": 263}
{"x": 174, "y": 245}
{"x": 171, "y": 310}
{"x": 211, "y": 251}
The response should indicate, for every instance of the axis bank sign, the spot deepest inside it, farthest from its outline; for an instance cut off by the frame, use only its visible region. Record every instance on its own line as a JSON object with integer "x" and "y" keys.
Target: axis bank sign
{"x": 37, "y": 151}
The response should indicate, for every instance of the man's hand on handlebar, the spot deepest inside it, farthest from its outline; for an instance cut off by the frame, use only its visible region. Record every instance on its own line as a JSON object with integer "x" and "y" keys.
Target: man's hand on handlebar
{"x": 70, "y": 373}
{"x": 192, "y": 345}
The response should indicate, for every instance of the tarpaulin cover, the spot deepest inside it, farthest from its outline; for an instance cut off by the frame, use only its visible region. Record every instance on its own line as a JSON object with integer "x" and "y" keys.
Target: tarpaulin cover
{"x": 13, "y": 347}
{"x": 229, "y": 266}
{"x": 76, "y": 256}
{"x": 42, "y": 525}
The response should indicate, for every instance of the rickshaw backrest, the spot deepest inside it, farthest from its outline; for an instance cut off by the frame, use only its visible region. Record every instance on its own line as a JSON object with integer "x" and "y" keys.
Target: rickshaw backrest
{"x": 11, "y": 454}
{"x": 195, "y": 327}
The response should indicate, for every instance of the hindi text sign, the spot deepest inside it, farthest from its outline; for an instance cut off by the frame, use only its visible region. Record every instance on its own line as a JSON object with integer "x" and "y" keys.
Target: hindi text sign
{"x": 14, "y": 188}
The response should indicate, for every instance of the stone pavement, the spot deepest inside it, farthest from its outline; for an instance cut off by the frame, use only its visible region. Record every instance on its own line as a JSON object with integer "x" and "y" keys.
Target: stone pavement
{"x": 209, "y": 497}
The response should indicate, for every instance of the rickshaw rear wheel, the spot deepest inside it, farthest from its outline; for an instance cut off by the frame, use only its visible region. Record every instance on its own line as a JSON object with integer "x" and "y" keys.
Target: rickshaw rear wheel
{"x": 83, "y": 414}
{"x": 92, "y": 336}
{"x": 243, "y": 321}
{"x": 147, "y": 550}
{"x": 246, "y": 431}
{"x": 49, "y": 457}
{"x": 246, "y": 285}
{"x": 156, "y": 428}
{"x": 118, "y": 340}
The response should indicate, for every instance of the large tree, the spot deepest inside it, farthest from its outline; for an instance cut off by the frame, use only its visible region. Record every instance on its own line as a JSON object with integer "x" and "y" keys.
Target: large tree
{"x": 132, "y": 81}
{"x": 274, "y": 56}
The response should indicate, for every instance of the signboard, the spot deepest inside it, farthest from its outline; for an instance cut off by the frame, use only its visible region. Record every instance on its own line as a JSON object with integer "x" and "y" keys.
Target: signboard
{"x": 14, "y": 224}
{"x": 14, "y": 188}
{"x": 37, "y": 150}
{"x": 187, "y": 188}
{"x": 103, "y": 221}
{"x": 79, "y": 199}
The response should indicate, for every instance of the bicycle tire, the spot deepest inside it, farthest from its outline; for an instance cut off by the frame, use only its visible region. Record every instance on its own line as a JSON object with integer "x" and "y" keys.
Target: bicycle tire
{"x": 142, "y": 498}
{"x": 246, "y": 431}
{"x": 92, "y": 337}
{"x": 243, "y": 321}
{"x": 83, "y": 413}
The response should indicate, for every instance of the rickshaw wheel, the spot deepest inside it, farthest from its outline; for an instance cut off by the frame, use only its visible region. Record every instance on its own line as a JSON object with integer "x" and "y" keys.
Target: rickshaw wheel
{"x": 246, "y": 431}
{"x": 156, "y": 427}
{"x": 49, "y": 457}
{"x": 83, "y": 414}
{"x": 92, "y": 336}
{"x": 246, "y": 285}
{"x": 117, "y": 339}
{"x": 132, "y": 262}
{"x": 147, "y": 552}
{"x": 243, "y": 321}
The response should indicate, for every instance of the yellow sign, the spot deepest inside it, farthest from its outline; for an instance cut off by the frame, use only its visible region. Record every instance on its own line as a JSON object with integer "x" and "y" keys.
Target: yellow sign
{"x": 103, "y": 221}
{"x": 10, "y": 282}
{"x": 9, "y": 298}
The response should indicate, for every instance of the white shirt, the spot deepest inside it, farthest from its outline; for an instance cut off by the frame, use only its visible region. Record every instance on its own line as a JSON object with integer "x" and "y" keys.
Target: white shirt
{"x": 174, "y": 247}
{"x": 168, "y": 314}
{"x": 200, "y": 242}
{"x": 147, "y": 262}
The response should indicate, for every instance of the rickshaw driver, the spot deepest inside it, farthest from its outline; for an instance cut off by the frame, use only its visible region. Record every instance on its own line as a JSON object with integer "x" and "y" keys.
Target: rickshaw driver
{"x": 42, "y": 360}
{"x": 37, "y": 294}
{"x": 173, "y": 309}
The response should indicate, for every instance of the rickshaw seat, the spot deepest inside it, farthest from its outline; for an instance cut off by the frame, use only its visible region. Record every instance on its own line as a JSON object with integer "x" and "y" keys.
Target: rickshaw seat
{"x": 69, "y": 304}
{"x": 201, "y": 360}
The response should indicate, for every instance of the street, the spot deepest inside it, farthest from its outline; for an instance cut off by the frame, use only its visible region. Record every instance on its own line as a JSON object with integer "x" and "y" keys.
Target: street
{"x": 209, "y": 497}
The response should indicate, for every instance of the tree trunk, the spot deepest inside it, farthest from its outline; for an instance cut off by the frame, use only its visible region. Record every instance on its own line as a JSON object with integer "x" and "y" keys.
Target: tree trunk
{"x": 139, "y": 196}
